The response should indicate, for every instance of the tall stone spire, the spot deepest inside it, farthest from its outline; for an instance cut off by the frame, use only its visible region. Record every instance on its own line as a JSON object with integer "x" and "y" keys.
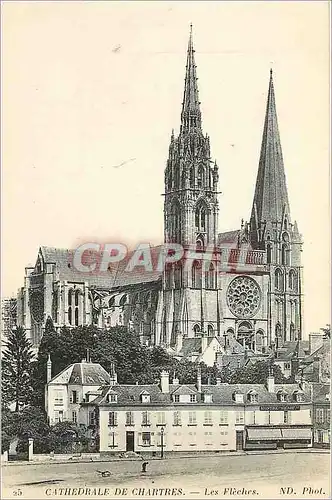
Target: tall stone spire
{"x": 191, "y": 114}
{"x": 271, "y": 198}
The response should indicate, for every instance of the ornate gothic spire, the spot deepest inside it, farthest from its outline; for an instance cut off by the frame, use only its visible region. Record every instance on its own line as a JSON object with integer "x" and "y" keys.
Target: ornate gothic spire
{"x": 271, "y": 197}
{"x": 191, "y": 114}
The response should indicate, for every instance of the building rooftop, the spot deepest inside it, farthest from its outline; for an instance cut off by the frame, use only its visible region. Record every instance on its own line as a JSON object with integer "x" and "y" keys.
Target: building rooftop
{"x": 221, "y": 394}
{"x": 83, "y": 373}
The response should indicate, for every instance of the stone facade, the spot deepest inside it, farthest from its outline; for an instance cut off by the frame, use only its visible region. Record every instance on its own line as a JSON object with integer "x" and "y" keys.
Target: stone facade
{"x": 244, "y": 284}
{"x": 170, "y": 417}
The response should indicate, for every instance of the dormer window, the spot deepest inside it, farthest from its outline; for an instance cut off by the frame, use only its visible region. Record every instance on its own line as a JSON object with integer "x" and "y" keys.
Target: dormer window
{"x": 298, "y": 396}
{"x": 193, "y": 398}
{"x": 112, "y": 398}
{"x": 176, "y": 398}
{"x": 145, "y": 397}
{"x": 282, "y": 396}
{"x": 208, "y": 398}
{"x": 253, "y": 397}
{"x": 238, "y": 397}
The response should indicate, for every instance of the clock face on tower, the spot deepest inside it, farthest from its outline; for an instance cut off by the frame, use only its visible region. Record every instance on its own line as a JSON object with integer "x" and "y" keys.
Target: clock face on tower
{"x": 243, "y": 297}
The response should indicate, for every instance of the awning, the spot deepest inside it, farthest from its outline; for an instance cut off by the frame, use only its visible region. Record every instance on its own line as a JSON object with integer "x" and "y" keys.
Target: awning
{"x": 264, "y": 434}
{"x": 296, "y": 433}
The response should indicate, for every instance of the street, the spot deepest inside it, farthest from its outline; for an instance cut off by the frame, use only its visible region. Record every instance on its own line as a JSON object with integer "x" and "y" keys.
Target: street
{"x": 296, "y": 475}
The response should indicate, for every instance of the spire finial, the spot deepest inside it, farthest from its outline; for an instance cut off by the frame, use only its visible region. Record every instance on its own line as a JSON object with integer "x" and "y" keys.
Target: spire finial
{"x": 271, "y": 198}
{"x": 191, "y": 115}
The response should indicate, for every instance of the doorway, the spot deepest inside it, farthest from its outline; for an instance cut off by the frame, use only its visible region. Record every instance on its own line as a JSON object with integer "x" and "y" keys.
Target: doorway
{"x": 239, "y": 440}
{"x": 130, "y": 441}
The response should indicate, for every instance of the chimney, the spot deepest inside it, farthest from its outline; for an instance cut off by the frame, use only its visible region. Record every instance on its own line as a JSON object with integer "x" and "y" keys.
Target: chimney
{"x": 179, "y": 342}
{"x": 199, "y": 379}
{"x": 164, "y": 382}
{"x": 175, "y": 380}
{"x": 315, "y": 342}
{"x": 113, "y": 375}
{"x": 204, "y": 341}
{"x": 49, "y": 369}
{"x": 218, "y": 381}
{"x": 270, "y": 381}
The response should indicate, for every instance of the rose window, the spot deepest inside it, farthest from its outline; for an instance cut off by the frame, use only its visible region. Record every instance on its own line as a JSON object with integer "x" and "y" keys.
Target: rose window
{"x": 243, "y": 297}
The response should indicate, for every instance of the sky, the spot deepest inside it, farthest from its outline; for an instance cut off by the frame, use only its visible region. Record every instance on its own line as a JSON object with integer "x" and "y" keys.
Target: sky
{"x": 87, "y": 86}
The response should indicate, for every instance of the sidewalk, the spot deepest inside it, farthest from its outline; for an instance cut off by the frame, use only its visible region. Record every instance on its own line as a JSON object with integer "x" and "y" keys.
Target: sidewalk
{"x": 177, "y": 456}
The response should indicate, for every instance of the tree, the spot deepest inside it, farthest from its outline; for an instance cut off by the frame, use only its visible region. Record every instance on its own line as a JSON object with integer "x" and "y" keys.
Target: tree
{"x": 16, "y": 369}
{"x": 65, "y": 347}
{"x": 9, "y": 427}
{"x": 119, "y": 346}
{"x": 257, "y": 373}
{"x": 124, "y": 349}
{"x": 67, "y": 437}
{"x": 32, "y": 423}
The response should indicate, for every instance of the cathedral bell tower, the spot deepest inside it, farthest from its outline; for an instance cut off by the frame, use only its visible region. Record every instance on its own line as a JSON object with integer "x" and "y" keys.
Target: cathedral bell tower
{"x": 272, "y": 230}
{"x": 191, "y": 178}
{"x": 190, "y": 302}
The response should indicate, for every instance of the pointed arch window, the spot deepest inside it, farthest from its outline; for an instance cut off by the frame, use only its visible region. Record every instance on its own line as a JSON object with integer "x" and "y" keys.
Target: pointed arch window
{"x": 201, "y": 217}
{"x": 292, "y": 282}
{"x": 285, "y": 255}
{"x": 278, "y": 335}
{"x": 292, "y": 332}
{"x": 76, "y": 316}
{"x": 210, "y": 331}
{"x": 200, "y": 243}
{"x": 197, "y": 330}
{"x": 70, "y": 306}
{"x": 210, "y": 277}
{"x": 200, "y": 177}
{"x": 196, "y": 274}
{"x": 77, "y": 299}
{"x": 278, "y": 280}
{"x": 268, "y": 253}
{"x": 178, "y": 275}
{"x": 176, "y": 221}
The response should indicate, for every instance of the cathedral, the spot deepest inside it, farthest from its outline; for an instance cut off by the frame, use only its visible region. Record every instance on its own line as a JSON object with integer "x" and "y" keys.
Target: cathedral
{"x": 248, "y": 291}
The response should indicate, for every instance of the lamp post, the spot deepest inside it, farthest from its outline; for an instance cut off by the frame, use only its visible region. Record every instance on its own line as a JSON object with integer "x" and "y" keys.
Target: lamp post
{"x": 162, "y": 442}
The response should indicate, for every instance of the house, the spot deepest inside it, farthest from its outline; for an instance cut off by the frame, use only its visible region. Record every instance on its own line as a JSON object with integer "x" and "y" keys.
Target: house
{"x": 321, "y": 415}
{"x": 306, "y": 360}
{"x": 65, "y": 392}
{"x": 170, "y": 417}
{"x": 316, "y": 367}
